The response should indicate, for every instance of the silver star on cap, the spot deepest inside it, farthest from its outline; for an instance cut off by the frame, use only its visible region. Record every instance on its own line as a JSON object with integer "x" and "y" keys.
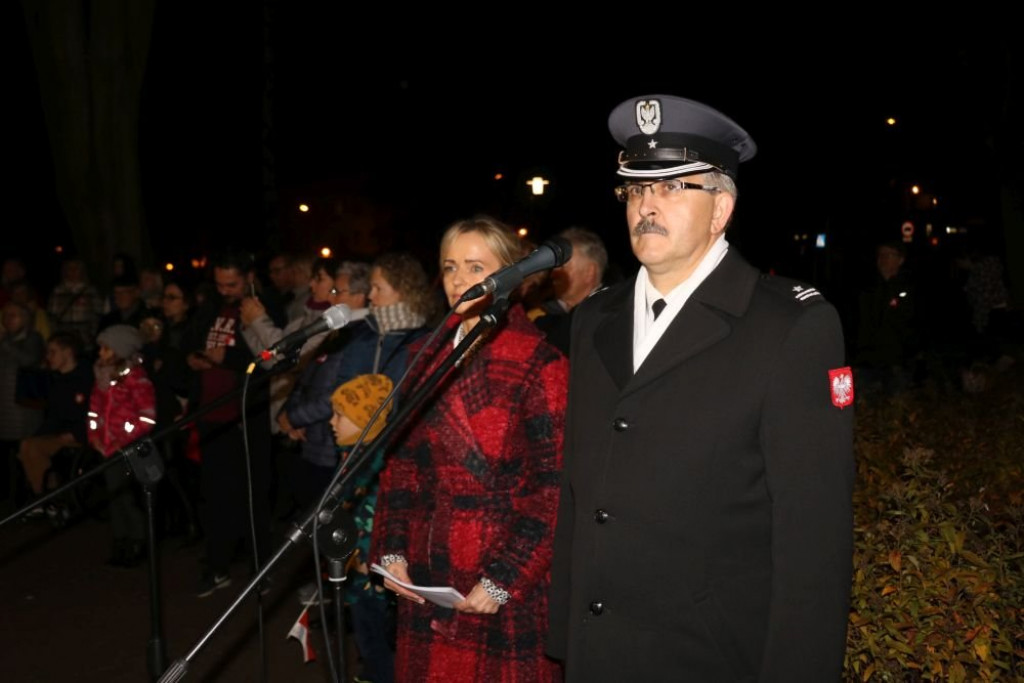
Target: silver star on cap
{"x": 652, "y": 144}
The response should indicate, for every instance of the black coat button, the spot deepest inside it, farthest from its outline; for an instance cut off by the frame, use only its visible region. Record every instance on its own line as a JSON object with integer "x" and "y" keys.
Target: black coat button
{"x": 601, "y": 516}
{"x": 620, "y": 424}
{"x": 596, "y": 608}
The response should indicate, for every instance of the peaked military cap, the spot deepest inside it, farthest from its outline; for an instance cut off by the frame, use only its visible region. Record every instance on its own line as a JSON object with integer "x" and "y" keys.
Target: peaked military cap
{"x": 666, "y": 137}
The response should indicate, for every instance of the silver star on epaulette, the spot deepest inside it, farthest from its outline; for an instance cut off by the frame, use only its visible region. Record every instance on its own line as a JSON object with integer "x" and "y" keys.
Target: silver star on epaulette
{"x": 652, "y": 144}
{"x": 798, "y": 288}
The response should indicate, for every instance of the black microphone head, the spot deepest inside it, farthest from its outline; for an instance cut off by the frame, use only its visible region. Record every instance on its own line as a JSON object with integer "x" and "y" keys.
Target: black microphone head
{"x": 337, "y": 316}
{"x": 562, "y": 249}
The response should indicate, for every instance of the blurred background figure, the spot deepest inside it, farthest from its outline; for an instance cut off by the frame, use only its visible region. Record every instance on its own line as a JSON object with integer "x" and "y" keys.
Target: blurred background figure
{"x": 163, "y": 350}
{"x": 151, "y": 287}
{"x": 12, "y": 272}
{"x": 75, "y": 305}
{"x": 301, "y": 267}
{"x": 122, "y": 269}
{"x": 887, "y": 335}
{"x": 991, "y": 314}
{"x": 25, "y": 294}
{"x": 581, "y": 276}
{"x": 261, "y": 331}
{"x": 352, "y": 287}
{"x": 127, "y": 305}
{"x": 279, "y": 295}
{"x": 69, "y": 384}
{"x": 21, "y": 349}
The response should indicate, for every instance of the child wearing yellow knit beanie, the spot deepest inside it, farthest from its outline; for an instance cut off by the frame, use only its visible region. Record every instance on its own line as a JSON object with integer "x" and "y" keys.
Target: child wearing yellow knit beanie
{"x": 354, "y": 403}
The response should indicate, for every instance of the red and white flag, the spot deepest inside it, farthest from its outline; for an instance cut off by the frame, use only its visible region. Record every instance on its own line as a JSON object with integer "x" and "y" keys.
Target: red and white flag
{"x": 840, "y": 383}
{"x": 300, "y": 631}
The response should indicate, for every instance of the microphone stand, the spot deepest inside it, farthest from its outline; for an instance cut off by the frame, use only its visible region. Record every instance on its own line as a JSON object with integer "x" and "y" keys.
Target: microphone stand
{"x": 336, "y": 533}
{"x": 147, "y": 466}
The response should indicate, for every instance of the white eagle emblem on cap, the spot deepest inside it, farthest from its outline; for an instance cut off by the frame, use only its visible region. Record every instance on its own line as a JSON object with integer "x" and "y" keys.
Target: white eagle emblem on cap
{"x": 648, "y": 116}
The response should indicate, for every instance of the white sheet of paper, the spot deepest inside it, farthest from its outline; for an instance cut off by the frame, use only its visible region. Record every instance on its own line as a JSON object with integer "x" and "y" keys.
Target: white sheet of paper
{"x": 445, "y": 596}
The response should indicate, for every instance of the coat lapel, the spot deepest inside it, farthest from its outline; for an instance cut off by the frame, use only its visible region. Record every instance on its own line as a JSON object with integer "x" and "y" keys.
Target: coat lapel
{"x": 703, "y": 321}
{"x": 614, "y": 337}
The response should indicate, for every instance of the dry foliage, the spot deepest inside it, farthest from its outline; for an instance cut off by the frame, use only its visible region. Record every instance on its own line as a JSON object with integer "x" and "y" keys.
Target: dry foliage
{"x": 938, "y": 593}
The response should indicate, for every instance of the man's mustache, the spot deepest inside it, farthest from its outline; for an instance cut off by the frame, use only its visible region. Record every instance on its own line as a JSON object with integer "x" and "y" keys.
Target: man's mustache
{"x": 645, "y": 226}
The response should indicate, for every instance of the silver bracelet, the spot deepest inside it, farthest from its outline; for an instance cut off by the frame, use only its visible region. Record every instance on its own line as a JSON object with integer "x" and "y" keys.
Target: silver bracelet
{"x": 387, "y": 560}
{"x": 499, "y": 595}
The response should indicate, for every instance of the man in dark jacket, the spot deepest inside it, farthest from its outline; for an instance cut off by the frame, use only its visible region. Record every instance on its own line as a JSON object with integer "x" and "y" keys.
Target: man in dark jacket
{"x": 705, "y": 527}
{"x": 219, "y": 356}
{"x": 887, "y": 334}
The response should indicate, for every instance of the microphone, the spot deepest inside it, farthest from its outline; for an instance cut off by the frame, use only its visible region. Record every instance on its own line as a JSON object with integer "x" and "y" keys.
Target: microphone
{"x": 551, "y": 254}
{"x": 334, "y": 317}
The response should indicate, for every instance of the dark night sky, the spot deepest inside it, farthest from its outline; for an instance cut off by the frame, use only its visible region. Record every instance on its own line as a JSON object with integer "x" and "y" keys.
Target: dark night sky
{"x": 425, "y": 119}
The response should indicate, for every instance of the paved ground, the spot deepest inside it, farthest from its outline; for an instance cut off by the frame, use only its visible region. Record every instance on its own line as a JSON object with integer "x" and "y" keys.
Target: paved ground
{"x": 67, "y": 616}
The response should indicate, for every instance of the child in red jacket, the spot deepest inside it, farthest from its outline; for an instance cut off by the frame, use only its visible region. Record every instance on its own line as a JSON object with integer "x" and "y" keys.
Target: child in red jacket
{"x": 122, "y": 408}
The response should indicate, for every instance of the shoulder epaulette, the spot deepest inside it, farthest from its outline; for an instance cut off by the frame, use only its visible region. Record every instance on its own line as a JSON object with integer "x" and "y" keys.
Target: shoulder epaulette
{"x": 800, "y": 292}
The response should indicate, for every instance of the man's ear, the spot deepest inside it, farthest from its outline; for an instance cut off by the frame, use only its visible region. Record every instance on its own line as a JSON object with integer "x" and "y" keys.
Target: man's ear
{"x": 722, "y": 212}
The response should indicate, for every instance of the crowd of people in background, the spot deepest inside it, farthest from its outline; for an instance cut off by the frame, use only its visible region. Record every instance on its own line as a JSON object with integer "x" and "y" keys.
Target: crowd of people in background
{"x": 919, "y": 322}
{"x": 83, "y": 367}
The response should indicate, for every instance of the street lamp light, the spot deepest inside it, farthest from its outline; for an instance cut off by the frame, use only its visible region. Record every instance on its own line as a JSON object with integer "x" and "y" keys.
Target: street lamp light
{"x": 537, "y": 184}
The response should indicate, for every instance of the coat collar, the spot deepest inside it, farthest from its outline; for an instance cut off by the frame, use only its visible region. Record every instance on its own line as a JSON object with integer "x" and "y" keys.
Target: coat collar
{"x": 702, "y": 322}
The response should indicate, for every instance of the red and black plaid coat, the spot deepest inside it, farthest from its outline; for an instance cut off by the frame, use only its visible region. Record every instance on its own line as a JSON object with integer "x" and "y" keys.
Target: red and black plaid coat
{"x": 473, "y": 492}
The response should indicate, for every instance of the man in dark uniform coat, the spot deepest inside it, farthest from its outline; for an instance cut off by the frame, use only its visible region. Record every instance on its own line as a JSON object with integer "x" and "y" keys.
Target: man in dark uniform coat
{"x": 705, "y": 528}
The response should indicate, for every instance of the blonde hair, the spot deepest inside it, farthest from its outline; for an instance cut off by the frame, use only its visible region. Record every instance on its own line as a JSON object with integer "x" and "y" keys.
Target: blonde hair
{"x": 499, "y": 238}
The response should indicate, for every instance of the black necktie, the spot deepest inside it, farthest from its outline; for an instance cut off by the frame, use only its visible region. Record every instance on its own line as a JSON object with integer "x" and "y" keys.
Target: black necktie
{"x": 658, "y": 306}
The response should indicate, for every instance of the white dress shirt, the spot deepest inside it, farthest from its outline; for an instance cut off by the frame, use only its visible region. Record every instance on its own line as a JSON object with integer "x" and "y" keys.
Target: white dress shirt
{"x": 646, "y": 330}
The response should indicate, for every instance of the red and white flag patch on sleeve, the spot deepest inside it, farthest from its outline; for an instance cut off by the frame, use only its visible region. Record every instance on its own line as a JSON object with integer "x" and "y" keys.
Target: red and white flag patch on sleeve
{"x": 840, "y": 382}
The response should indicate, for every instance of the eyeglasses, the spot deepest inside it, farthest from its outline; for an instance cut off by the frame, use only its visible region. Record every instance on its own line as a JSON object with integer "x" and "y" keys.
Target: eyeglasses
{"x": 662, "y": 189}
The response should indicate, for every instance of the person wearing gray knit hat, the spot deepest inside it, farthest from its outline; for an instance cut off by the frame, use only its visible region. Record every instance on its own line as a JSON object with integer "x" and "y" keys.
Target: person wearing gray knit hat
{"x": 124, "y": 340}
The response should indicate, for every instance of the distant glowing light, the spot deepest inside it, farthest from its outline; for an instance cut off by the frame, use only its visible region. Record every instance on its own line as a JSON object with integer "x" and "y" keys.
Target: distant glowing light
{"x": 168, "y": 267}
{"x": 325, "y": 252}
{"x": 304, "y": 208}
{"x": 915, "y": 190}
{"x": 59, "y": 249}
{"x": 499, "y": 176}
{"x": 891, "y": 121}
{"x": 935, "y": 201}
{"x": 523, "y": 232}
{"x": 537, "y": 184}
